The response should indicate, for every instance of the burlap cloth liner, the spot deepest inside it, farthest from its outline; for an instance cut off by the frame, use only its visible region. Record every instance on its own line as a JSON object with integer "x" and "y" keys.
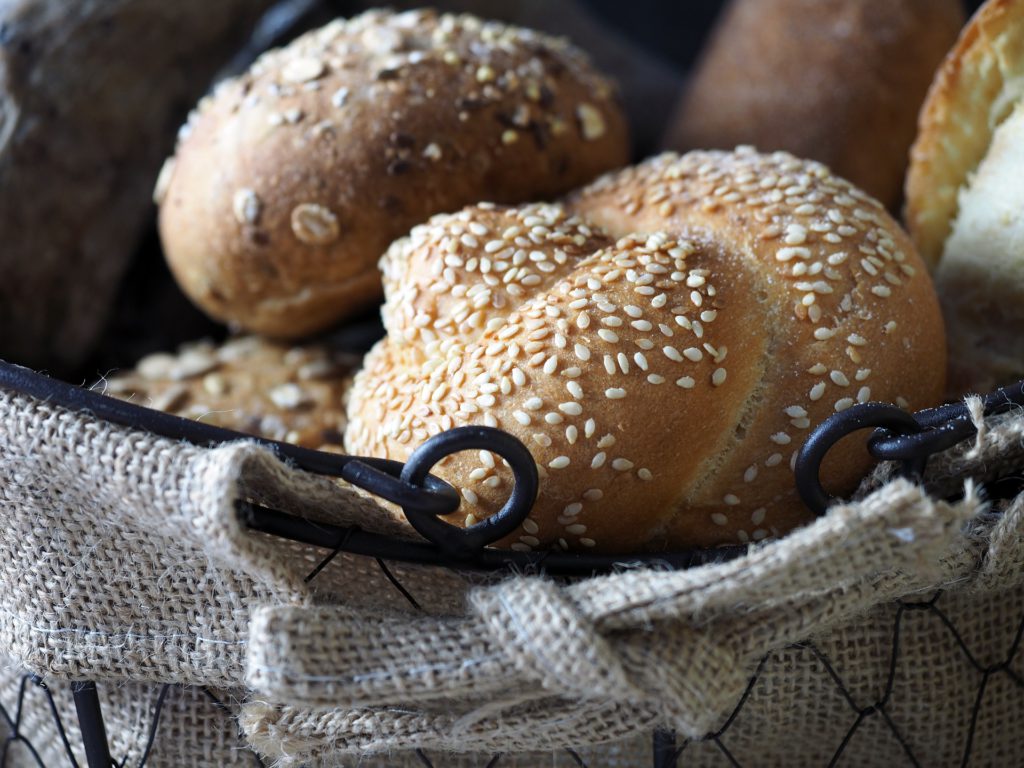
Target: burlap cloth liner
{"x": 123, "y": 560}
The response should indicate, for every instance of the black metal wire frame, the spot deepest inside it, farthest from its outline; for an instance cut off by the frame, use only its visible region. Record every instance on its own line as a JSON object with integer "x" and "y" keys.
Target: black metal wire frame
{"x": 898, "y": 436}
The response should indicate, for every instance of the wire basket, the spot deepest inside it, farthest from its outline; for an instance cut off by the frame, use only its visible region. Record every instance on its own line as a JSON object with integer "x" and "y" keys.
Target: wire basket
{"x": 859, "y": 670}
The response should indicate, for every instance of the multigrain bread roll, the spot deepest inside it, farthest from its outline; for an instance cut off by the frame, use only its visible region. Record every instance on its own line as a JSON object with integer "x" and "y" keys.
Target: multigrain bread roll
{"x": 662, "y": 343}
{"x": 274, "y": 391}
{"x": 290, "y": 181}
{"x": 839, "y": 81}
{"x": 965, "y": 197}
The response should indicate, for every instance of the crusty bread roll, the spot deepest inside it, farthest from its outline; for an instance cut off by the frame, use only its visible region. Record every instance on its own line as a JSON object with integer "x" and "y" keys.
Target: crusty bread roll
{"x": 290, "y": 181}
{"x": 839, "y": 81}
{"x": 965, "y": 196}
{"x": 662, "y": 343}
{"x": 248, "y": 384}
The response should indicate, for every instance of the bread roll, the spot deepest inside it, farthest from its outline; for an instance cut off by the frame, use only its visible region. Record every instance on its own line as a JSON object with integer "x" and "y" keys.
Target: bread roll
{"x": 274, "y": 391}
{"x": 90, "y": 94}
{"x": 839, "y": 81}
{"x": 964, "y": 197}
{"x": 662, "y": 343}
{"x": 291, "y": 180}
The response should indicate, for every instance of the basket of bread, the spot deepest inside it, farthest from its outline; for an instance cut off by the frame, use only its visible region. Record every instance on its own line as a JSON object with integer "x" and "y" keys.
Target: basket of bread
{"x": 561, "y": 504}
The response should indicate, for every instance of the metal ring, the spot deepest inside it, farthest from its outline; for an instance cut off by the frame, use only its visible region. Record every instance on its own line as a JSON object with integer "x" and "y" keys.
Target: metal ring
{"x": 467, "y": 542}
{"x": 429, "y": 495}
{"x": 808, "y": 462}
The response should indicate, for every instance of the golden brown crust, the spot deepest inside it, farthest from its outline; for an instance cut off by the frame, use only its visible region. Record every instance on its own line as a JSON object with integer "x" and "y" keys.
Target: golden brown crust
{"x": 839, "y": 81}
{"x": 291, "y": 180}
{"x": 662, "y": 344}
{"x": 274, "y": 391}
{"x": 976, "y": 88}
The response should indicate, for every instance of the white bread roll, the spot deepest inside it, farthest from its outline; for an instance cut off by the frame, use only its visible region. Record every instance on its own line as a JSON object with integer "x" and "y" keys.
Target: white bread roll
{"x": 964, "y": 196}
{"x": 662, "y": 343}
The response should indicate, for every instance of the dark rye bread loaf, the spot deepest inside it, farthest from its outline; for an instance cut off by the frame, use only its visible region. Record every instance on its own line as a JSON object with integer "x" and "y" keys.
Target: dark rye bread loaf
{"x": 91, "y": 94}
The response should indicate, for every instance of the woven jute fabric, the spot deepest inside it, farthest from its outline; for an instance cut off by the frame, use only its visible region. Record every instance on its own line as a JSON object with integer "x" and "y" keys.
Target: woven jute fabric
{"x": 124, "y": 560}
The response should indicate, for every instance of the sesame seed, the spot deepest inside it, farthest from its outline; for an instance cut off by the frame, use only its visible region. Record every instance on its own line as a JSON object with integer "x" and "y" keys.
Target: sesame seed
{"x": 839, "y": 378}
{"x": 787, "y": 254}
{"x": 591, "y": 494}
{"x": 610, "y": 336}
{"x": 774, "y": 460}
{"x": 751, "y": 474}
{"x": 719, "y": 519}
{"x": 882, "y": 291}
{"x": 571, "y": 408}
{"x": 582, "y": 352}
{"x": 795, "y": 235}
{"x": 731, "y": 499}
{"x": 718, "y": 377}
{"x": 615, "y": 393}
{"x": 822, "y": 334}
{"x": 672, "y": 353}
{"x": 522, "y": 418}
{"x": 817, "y": 391}
{"x": 533, "y": 404}
{"x": 470, "y": 496}
{"x": 641, "y": 325}
{"x": 622, "y": 465}
{"x": 686, "y": 382}
{"x": 864, "y": 394}
{"x": 655, "y": 378}
{"x": 571, "y": 434}
{"x": 574, "y": 389}
{"x": 640, "y": 360}
{"x": 780, "y": 438}
{"x": 795, "y": 412}
{"x": 559, "y": 462}
{"x": 609, "y": 365}
{"x": 588, "y": 542}
{"x": 598, "y": 461}
{"x": 530, "y": 526}
{"x": 576, "y": 529}
{"x": 553, "y": 418}
{"x": 694, "y": 354}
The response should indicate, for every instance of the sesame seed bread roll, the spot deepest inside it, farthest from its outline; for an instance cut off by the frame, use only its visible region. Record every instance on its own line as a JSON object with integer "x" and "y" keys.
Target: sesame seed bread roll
{"x": 964, "y": 197}
{"x": 248, "y": 384}
{"x": 839, "y": 81}
{"x": 663, "y": 343}
{"x": 291, "y": 180}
